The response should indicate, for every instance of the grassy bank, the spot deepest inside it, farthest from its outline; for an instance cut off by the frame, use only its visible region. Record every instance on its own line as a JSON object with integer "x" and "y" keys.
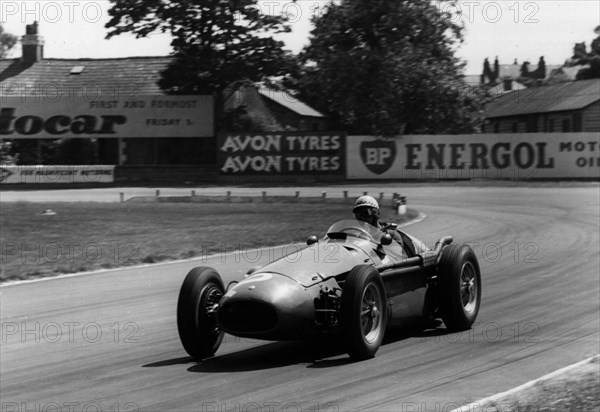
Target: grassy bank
{"x": 575, "y": 390}
{"x": 91, "y": 236}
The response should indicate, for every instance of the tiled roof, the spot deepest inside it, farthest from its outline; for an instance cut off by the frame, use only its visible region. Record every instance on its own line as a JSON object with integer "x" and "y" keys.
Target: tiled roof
{"x": 287, "y": 100}
{"x": 555, "y": 98}
{"x": 132, "y": 75}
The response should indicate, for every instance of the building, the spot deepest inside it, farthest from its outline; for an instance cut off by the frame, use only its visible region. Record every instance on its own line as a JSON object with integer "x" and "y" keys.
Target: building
{"x": 42, "y": 88}
{"x": 503, "y": 78}
{"x": 37, "y": 89}
{"x": 274, "y": 110}
{"x": 561, "y": 107}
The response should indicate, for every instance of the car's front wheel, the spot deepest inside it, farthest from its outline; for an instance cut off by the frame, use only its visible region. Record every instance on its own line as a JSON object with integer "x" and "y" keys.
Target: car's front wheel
{"x": 199, "y": 297}
{"x": 459, "y": 287}
{"x": 363, "y": 312}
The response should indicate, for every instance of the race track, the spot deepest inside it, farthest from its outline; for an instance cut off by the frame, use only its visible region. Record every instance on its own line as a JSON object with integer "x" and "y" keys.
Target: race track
{"x": 109, "y": 341}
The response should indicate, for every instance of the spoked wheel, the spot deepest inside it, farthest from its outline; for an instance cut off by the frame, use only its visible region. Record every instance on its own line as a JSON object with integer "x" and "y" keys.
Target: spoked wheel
{"x": 469, "y": 288}
{"x": 199, "y": 297}
{"x": 363, "y": 312}
{"x": 459, "y": 287}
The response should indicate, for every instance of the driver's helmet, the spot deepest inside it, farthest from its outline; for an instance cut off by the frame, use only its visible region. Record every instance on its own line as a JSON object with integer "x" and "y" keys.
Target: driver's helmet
{"x": 365, "y": 201}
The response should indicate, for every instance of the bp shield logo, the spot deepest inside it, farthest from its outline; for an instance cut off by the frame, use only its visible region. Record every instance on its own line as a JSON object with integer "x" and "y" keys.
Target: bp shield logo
{"x": 378, "y": 155}
{"x": 5, "y": 174}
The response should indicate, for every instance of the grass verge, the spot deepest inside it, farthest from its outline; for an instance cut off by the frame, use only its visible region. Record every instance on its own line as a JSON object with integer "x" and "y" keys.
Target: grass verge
{"x": 92, "y": 236}
{"x": 575, "y": 390}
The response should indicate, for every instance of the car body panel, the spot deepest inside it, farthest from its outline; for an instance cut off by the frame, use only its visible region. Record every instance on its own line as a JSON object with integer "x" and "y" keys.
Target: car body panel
{"x": 281, "y": 300}
{"x": 317, "y": 262}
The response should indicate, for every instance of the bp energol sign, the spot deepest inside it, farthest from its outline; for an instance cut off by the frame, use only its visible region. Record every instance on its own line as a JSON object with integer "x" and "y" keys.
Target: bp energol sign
{"x": 490, "y": 156}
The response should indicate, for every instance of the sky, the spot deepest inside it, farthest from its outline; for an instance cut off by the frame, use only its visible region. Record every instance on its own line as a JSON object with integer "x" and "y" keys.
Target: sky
{"x": 522, "y": 30}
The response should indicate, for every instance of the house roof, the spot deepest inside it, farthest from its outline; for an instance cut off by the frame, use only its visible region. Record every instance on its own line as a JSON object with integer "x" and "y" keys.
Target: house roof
{"x": 138, "y": 75}
{"x": 555, "y": 98}
{"x": 511, "y": 71}
{"x": 472, "y": 79}
{"x": 567, "y": 73}
{"x": 287, "y": 100}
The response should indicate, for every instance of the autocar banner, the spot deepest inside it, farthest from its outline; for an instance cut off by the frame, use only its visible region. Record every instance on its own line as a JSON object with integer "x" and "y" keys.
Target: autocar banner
{"x": 34, "y": 117}
{"x": 466, "y": 157}
{"x": 289, "y": 153}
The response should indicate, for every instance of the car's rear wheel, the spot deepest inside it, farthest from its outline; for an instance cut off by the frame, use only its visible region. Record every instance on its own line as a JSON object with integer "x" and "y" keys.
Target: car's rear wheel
{"x": 459, "y": 283}
{"x": 363, "y": 312}
{"x": 199, "y": 296}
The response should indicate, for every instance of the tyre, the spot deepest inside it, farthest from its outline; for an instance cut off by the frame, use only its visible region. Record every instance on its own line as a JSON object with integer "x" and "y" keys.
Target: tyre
{"x": 459, "y": 283}
{"x": 363, "y": 312}
{"x": 200, "y": 335}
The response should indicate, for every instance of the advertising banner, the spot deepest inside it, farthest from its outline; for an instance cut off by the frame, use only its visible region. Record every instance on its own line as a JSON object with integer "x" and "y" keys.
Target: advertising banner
{"x": 281, "y": 153}
{"x": 32, "y": 117}
{"x": 484, "y": 156}
{"x": 56, "y": 174}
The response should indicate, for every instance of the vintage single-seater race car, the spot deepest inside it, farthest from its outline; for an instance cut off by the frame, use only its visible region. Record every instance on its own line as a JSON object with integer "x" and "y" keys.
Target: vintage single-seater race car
{"x": 355, "y": 282}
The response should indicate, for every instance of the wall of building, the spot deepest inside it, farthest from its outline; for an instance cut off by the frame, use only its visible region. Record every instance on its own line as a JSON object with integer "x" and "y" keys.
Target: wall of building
{"x": 591, "y": 118}
{"x": 586, "y": 120}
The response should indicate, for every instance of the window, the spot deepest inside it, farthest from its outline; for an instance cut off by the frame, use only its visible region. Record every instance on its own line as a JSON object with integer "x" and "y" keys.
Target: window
{"x": 577, "y": 122}
{"x": 531, "y": 124}
{"x": 77, "y": 70}
{"x": 551, "y": 125}
{"x": 566, "y": 125}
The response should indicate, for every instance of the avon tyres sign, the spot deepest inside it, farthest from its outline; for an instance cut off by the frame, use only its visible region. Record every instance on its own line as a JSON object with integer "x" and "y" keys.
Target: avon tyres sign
{"x": 285, "y": 153}
{"x": 489, "y": 156}
{"x": 32, "y": 117}
{"x": 56, "y": 174}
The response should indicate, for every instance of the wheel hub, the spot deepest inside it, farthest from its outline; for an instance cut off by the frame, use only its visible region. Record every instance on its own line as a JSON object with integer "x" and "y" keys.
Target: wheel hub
{"x": 371, "y": 313}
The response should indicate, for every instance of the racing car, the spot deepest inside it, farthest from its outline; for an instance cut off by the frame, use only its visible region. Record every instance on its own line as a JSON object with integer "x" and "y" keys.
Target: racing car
{"x": 354, "y": 282}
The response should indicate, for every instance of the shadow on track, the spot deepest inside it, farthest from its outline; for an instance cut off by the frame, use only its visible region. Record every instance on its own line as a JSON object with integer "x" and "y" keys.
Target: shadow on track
{"x": 325, "y": 353}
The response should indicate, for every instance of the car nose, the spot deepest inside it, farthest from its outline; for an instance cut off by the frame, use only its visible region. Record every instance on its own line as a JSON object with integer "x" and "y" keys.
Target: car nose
{"x": 266, "y": 305}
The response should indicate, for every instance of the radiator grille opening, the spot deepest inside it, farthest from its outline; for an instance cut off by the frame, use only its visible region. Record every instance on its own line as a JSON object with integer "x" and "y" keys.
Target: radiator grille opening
{"x": 248, "y": 316}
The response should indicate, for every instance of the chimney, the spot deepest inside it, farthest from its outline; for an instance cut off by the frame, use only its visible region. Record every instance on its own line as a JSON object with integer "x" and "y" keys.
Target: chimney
{"x": 33, "y": 44}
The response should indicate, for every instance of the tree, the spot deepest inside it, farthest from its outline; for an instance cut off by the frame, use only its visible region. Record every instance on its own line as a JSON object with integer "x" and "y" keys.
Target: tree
{"x": 387, "y": 67}
{"x": 582, "y": 58}
{"x": 216, "y": 42}
{"x": 7, "y": 42}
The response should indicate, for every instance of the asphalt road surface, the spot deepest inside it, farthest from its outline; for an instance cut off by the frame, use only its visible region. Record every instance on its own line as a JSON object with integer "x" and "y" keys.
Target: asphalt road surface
{"x": 109, "y": 341}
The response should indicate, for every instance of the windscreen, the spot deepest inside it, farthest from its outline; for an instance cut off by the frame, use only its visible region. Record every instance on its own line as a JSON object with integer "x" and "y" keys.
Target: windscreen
{"x": 356, "y": 229}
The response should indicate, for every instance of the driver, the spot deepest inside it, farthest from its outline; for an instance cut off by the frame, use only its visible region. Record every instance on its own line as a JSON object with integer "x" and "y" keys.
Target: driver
{"x": 366, "y": 209}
